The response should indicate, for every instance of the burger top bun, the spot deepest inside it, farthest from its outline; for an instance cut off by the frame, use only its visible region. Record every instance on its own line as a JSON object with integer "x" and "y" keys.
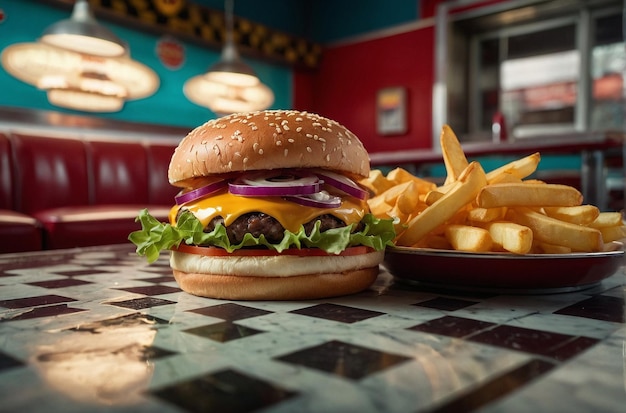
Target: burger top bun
{"x": 269, "y": 139}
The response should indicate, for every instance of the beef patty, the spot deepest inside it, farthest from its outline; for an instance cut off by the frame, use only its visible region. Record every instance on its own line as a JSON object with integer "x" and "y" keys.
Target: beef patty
{"x": 257, "y": 223}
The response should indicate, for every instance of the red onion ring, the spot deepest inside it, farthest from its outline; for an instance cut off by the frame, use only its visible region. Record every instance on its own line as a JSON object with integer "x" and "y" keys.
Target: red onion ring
{"x": 276, "y": 183}
{"x": 343, "y": 183}
{"x": 192, "y": 195}
{"x": 320, "y": 199}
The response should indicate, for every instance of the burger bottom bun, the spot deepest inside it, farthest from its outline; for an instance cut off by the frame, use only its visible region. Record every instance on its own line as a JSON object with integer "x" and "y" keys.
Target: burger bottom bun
{"x": 301, "y": 287}
{"x": 314, "y": 284}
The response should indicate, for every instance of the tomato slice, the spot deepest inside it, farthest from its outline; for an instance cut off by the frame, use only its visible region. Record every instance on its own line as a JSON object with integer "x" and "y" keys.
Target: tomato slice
{"x": 304, "y": 252}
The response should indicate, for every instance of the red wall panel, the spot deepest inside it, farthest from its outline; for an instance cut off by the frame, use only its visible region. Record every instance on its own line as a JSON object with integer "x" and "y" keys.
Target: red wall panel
{"x": 345, "y": 86}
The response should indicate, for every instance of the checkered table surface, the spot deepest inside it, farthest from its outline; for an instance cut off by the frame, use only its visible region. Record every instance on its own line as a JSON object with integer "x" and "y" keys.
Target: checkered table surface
{"x": 101, "y": 330}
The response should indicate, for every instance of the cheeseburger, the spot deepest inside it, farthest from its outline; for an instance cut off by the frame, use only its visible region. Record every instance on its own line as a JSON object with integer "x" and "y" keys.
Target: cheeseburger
{"x": 270, "y": 209}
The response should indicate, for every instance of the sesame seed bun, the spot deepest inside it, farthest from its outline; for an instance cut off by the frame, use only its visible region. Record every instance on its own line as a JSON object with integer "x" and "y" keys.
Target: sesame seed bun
{"x": 264, "y": 140}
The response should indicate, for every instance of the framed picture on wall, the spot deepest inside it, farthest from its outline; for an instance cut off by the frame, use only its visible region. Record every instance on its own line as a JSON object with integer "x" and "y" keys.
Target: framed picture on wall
{"x": 391, "y": 118}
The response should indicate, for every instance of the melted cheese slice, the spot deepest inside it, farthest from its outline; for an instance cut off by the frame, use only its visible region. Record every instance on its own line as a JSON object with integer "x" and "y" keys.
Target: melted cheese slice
{"x": 290, "y": 214}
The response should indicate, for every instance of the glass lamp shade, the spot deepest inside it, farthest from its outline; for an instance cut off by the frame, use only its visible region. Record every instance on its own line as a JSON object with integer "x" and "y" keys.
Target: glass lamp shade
{"x": 52, "y": 68}
{"x": 85, "y": 101}
{"x": 83, "y": 34}
{"x": 224, "y": 97}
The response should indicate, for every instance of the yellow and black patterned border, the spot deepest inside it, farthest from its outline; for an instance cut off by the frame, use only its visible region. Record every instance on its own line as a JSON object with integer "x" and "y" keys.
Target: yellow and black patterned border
{"x": 206, "y": 26}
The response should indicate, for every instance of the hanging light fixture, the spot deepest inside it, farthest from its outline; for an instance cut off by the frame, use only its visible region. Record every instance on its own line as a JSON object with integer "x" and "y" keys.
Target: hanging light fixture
{"x": 83, "y": 34}
{"x": 230, "y": 85}
{"x": 80, "y": 81}
{"x": 81, "y": 65}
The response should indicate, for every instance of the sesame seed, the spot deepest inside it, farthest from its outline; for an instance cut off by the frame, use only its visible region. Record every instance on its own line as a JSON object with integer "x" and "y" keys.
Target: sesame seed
{"x": 290, "y": 140}
{"x": 261, "y": 151}
{"x": 308, "y": 149}
{"x": 286, "y": 151}
{"x": 308, "y": 135}
{"x": 285, "y": 127}
{"x": 299, "y": 129}
{"x": 279, "y": 143}
{"x": 328, "y": 158}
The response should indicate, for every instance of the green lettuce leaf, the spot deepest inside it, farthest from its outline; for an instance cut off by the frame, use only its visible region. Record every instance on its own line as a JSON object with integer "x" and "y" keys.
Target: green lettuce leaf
{"x": 156, "y": 236}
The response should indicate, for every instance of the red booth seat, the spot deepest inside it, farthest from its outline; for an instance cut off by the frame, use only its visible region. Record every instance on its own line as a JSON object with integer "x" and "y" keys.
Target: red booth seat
{"x": 60, "y": 192}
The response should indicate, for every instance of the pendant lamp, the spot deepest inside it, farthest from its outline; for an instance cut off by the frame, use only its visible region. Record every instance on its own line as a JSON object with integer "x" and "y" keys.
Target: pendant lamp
{"x": 230, "y": 85}
{"x": 79, "y": 81}
{"x": 83, "y": 34}
{"x": 81, "y": 65}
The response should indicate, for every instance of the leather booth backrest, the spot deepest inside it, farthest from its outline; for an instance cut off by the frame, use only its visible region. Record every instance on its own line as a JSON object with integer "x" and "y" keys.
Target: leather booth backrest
{"x": 120, "y": 172}
{"x": 160, "y": 192}
{"x": 52, "y": 172}
{"x": 6, "y": 173}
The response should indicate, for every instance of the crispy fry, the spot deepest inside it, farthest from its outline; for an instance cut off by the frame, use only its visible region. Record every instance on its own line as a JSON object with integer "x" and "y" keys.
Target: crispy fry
{"x": 503, "y": 178}
{"x": 391, "y": 194}
{"x": 468, "y": 238}
{"x": 378, "y": 206}
{"x": 554, "y": 231}
{"x": 607, "y": 219}
{"x": 453, "y": 156}
{"x": 511, "y": 237}
{"x": 432, "y": 197}
{"x": 376, "y": 182}
{"x": 615, "y": 233}
{"x": 400, "y": 175}
{"x": 407, "y": 201}
{"x": 486, "y": 214}
{"x": 581, "y": 214}
{"x": 467, "y": 186}
{"x": 523, "y": 194}
{"x": 520, "y": 168}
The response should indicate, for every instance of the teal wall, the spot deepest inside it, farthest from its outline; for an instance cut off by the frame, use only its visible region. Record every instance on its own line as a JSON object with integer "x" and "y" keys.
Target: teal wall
{"x": 324, "y": 21}
{"x": 25, "y": 20}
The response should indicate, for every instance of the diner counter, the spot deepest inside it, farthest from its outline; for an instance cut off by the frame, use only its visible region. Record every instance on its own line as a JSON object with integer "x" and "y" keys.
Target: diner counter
{"x": 99, "y": 329}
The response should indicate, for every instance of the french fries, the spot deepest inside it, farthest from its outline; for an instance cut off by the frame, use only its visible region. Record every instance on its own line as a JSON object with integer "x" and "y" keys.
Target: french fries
{"x": 556, "y": 232}
{"x": 502, "y": 210}
{"x": 511, "y": 237}
{"x": 528, "y": 194}
{"x": 468, "y": 238}
{"x": 471, "y": 180}
{"x": 453, "y": 156}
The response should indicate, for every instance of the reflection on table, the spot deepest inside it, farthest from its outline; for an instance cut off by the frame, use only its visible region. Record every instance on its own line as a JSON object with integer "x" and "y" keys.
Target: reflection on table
{"x": 100, "y": 330}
